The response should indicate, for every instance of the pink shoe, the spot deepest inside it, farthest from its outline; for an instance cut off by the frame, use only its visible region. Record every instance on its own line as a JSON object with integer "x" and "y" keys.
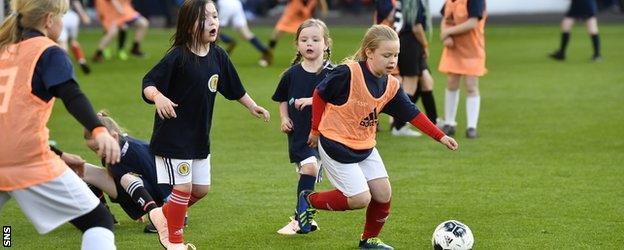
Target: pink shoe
{"x": 159, "y": 221}
{"x": 181, "y": 246}
{"x": 290, "y": 229}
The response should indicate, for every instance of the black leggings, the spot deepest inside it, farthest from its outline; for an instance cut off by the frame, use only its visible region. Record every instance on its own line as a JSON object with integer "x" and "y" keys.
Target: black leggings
{"x": 98, "y": 217}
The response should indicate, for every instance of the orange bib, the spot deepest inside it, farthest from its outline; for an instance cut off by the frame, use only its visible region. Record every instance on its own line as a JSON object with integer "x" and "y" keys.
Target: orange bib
{"x": 354, "y": 123}
{"x": 467, "y": 56}
{"x": 25, "y": 156}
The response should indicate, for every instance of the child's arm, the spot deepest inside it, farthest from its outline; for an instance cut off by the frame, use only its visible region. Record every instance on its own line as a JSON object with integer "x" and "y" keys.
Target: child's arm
{"x": 164, "y": 106}
{"x": 255, "y": 110}
{"x": 459, "y": 29}
{"x": 81, "y": 12}
{"x": 287, "y": 125}
{"x": 419, "y": 33}
{"x": 302, "y": 103}
{"x": 318, "y": 107}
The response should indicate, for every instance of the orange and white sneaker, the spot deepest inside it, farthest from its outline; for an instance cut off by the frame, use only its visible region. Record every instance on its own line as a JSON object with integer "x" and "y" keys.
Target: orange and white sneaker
{"x": 293, "y": 227}
{"x": 159, "y": 221}
{"x": 181, "y": 246}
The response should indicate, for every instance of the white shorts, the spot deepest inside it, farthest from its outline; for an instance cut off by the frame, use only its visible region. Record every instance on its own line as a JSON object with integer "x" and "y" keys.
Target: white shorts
{"x": 352, "y": 178}
{"x": 51, "y": 204}
{"x": 176, "y": 171}
{"x": 231, "y": 13}
{"x": 71, "y": 24}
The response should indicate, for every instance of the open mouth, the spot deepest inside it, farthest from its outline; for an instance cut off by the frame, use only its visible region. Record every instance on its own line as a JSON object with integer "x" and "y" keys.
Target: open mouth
{"x": 212, "y": 32}
{"x": 309, "y": 51}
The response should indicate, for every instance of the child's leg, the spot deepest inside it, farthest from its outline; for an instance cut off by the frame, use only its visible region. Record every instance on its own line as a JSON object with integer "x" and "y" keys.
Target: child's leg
{"x": 135, "y": 188}
{"x": 307, "y": 174}
{"x": 451, "y": 100}
{"x": 198, "y": 192}
{"x": 592, "y": 29}
{"x": 473, "y": 102}
{"x": 106, "y": 39}
{"x": 275, "y": 35}
{"x": 378, "y": 208}
{"x": 249, "y": 36}
{"x": 426, "y": 88}
{"x": 201, "y": 179}
{"x": 566, "y": 26}
{"x": 141, "y": 25}
{"x": 409, "y": 84}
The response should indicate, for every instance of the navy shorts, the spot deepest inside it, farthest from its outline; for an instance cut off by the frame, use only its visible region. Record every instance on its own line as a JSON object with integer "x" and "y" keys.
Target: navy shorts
{"x": 582, "y": 9}
{"x": 411, "y": 58}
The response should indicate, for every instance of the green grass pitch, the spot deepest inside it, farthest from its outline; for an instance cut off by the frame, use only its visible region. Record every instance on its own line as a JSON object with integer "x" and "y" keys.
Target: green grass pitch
{"x": 546, "y": 172}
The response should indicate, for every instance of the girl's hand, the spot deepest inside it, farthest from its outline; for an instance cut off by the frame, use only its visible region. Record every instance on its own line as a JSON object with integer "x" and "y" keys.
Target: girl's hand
{"x": 449, "y": 142}
{"x": 260, "y": 112}
{"x": 165, "y": 107}
{"x": 85, "y": 19}
{"x": 302, "y": 103}
{"x": 313, "y": 140}
{"x": 287, "y": 125}
{"x": 426, "y": 54}
{"x": 448, "y": 42}
{"x": 108, "y": 148}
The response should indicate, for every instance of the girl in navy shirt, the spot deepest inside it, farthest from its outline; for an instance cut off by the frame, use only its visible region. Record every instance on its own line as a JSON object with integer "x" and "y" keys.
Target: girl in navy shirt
{"x": 294, "y": 94}
{"x": 184, "y": 86}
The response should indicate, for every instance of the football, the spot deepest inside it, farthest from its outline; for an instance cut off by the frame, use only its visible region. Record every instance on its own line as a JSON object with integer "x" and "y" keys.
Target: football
{"x": 452, "y": 235}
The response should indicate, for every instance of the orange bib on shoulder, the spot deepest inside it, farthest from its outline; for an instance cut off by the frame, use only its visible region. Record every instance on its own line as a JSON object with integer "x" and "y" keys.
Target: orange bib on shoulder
{"x": 354, "y": 123}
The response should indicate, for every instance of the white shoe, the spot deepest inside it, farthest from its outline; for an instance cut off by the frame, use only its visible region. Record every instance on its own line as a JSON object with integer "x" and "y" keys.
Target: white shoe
{"x": 292, "y": 227}
{"x": 405, "y": 131}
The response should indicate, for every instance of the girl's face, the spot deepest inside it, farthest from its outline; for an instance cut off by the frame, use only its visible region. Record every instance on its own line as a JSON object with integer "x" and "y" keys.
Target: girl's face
{"x": 211, "y": 24}
{"x": 54, "y": 26}
{"x": 383, "y": 59}
{"x": 311, "y": 43}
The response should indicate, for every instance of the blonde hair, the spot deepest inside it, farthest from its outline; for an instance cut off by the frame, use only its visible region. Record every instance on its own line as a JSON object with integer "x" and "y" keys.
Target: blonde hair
{"x": 110, "y": 124}
{"x": 373, "y": 37}
{"x": 328, "y": 41}
{"x": 27, "y": 14}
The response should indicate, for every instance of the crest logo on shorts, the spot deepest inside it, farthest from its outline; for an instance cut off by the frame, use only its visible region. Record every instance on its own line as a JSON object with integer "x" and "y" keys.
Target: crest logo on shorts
{"x": 184, "y": 169}
{"x": 213, "y": 83}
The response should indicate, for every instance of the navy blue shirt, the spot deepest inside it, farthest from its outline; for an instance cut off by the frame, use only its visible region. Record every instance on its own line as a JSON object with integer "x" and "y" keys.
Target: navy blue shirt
{"x": 192, "y": 84}
{"x": 53, "y": 68}
{"x": 136, "y": 159}
{"x": 297, "y": 83}
{"x": 335, "y": 88}
{"x": 475, "y": 8}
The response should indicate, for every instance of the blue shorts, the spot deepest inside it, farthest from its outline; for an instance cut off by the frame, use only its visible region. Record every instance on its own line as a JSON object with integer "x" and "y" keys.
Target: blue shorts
{"x": 582, "y": 9}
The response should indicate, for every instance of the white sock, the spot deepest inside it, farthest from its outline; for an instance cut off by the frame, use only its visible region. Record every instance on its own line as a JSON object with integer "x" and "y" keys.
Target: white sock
{"x": 451, "y": 100}
{"x": 473, "y": 104}
{"x": 98, "y": 238}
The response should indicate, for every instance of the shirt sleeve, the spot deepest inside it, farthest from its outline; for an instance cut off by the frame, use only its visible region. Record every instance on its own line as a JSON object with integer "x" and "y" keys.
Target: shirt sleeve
{"x": 54, "y": 67}
{"x": 229, "y": 85}
{"x": 401, "y": 108}
{"x": 476, "y": 8}
{"x": 281, "y": 93}
{"x": 335, "y": 87}
{"x": 160, "y": 75}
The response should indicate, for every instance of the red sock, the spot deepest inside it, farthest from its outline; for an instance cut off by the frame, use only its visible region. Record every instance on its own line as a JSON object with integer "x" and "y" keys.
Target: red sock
{"x": 174, "y": 211}
{"x": 77, "y": 51}
{"x": 193, "y": 200}
{"x": 333, "y": 200}
{"x": 376, "y": 215}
